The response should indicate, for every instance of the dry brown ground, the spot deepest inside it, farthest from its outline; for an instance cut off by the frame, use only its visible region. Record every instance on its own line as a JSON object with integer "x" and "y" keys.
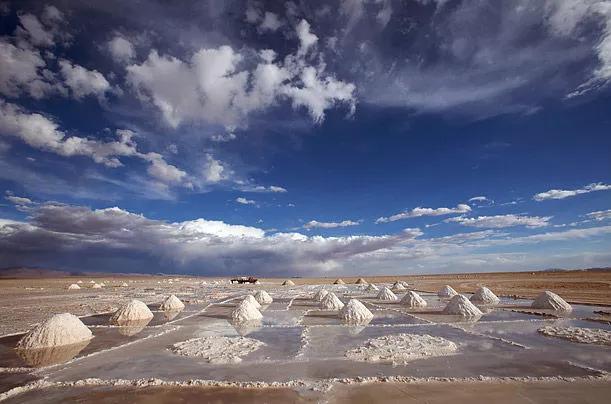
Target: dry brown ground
{"x": 586, "y": 287}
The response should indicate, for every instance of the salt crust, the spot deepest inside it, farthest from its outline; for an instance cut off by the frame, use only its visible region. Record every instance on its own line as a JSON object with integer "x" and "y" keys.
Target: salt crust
{"x": 218, "y": 349}
{"x": 387, "y": 294}
{"x": 413, "y": 300}
{"x": 578, "y": 334}
{"x": 134, "y": 310}
{"x": 401, "y": 348}
{"x": 447, "y": 291}
{"x": 331, "y": 302}
{"x": 59, "y": 330}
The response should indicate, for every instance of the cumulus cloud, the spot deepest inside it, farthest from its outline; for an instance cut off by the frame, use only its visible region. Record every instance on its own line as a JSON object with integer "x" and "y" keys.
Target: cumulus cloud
{"x": 313, "y": 224}
{"x": 18, "y": 200}
{"x": 262, "y": 188}
{"x": 121, "y": 49}
{"x": 213, "y": 87}
{"x": 244, "y": 201}
{"x": 23, "y": 71}
{"x": 271, "y": 22}
{"x": 564, "y": 193}
{"x": 196, "y": 245}
{"x": 83, "y": 82}
{"x": 418, "y": 212}
{"x": 501, "y": 221}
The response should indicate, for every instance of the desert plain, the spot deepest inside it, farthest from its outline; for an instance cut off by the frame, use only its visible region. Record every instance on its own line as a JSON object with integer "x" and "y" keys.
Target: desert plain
{"x": 299, "y": 351}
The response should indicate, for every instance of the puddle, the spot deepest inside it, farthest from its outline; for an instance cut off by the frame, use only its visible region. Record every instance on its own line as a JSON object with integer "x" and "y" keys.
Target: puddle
{"x": 11, "y": 380}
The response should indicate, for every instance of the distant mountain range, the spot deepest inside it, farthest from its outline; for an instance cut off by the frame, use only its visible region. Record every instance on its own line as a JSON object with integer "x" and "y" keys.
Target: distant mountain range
{"x": 36, "y": 272}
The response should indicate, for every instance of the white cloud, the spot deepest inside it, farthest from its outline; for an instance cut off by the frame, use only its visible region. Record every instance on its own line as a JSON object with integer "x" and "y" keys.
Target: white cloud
{"x": 270, "y": 22}
{"x": 563, "y": 193}
{"x": 212, "y": 87}
{"x": 32, "y": 29}
{"x": 479, "y": 199}
{"x": 262, "y": 189}
{"x": 245, "y": 201}
{"x": 121, "y": 49}
{"x": 83, "y": 82}
{"x": 600, "y": 215}
{"x": 312, "y": 224}
{"x": 501, "y": 221}
{"x": 418, "y": 212}
{"x": 23, "y": 70}
{"x": 214, "y": 171}
{"x": 18, "y": 200}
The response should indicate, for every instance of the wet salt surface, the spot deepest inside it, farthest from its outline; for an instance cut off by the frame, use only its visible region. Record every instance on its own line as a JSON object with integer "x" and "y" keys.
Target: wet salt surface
{"x": 303, "y": 342}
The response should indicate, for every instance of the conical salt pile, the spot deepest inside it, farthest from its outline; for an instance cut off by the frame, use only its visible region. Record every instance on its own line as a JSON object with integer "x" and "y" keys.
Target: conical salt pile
{"x": 74, "y": 286}
{"x": 59, "y": 330}
{"x": 550, "y": 300}
{"x": 461, "y": 306}
{"x": 355, "y": 312}
{"x": 387, "y": 294}
{"x": 320, "y": 295}
{"x": 97, "y": 286}
{"x": 251, "y": 299}
{"x": 361, "y": 281}
{"x": 124, "y": 285}
{"x": 447, "y": 291}
{"x": 483, "y": 295}
{"x": 398, "y": 287}
{"x": 171, "y": 303}
{"x": 92, "y": 281}
{"x": 339, "y": 282}
{"x": 405, "y": 284}
{"x": 263, "y": 297}
{"x": 331, "y": 302}
{"x": 413, "y": 300}
{"x": 246, "y": 312}
{"x": 133, "y": 311}
{"x": 80, "y": 282}
{"x": 372, "y": 288}
{"x": 288, "y": 282}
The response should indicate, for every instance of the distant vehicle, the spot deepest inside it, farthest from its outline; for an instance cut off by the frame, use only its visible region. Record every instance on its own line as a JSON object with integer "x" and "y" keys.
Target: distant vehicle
{"x": 243, "y": 279}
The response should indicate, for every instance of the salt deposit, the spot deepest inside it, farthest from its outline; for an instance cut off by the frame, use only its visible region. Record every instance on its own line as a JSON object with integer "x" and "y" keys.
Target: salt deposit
{"x": 483, "y": 295}
{"x": 134, "y": 310}
{"x": 124, "y": 285}
{"x": 461, "y": 306}
{"x": 320, "y": 295}
{"x": 246, "y": 312}
{"x": 398, "y": 287}
{"x": 447, "y": 291}
{"x": 578, "y": 334}
{"x": 251, "y": 300}
{"x": 402, "y": 348}
{"x": 413, "y": 300}
{"x": 372, "y": 288}
{"x": 59, "y": 330}
{"x": 355, "y": 312}
{"x": 74, "y": 286}
{"x": 91, "y": 281}
{"x": 361, "y": 281}
{"x": 339, "y": 282}
{"x": 288, "y": 282}
{"x": 171, "y": 303}
{"x": 387, "y": 294}
{"x": 263, "y": 297}
{"x": 550, "y": 300}
{"x": 80, "y": 282}
{"x": 405, "y": 284}
{"x": 96, "y": 286}
{"x": 331, "y": 302}
{"x": 217, "y": 349}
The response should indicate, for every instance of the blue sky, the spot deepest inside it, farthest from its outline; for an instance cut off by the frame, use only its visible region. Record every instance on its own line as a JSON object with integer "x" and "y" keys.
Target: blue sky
{"x": 363, "y": 137}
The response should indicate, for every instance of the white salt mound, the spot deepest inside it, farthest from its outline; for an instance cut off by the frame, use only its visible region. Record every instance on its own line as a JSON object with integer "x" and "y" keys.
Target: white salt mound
{"x": 405, "y": 284}
{"x": 134, "y": 310}
{"x": 460, "y": 305}
{"x": 372, "y": 288}
{"x": 97, "y": 286}
{"x": 550, "y": 300}
{"x": 124, "y": 285}
{"x": 339, "y": 282}
{"x": 331, "y": 302}
{"x": 263, "y": 297}
{"x": 171, "y": 303}
{"x": 218, "y": 349}
{"x": 484, "y": 295}
{"x": 355, "y": 312}
{"x": 320, "y": 295}
{"x": 398, "y": 287}
{"x": 401, "y": 348}
{"x": 74, "y": 286}
{"x": 80, "y": 282}
{"x": 577, "y": 334}
{"x": 288, "y": 282}
{"x": 447, "y": 291}
{"x": 413, "y": 300}
{"x": 246, "y": 312}
{"x": 361, "y": 281}
{"x": 251, "y": 299}
{"x": 387, "y": 294}
{"x": 59, "y": 330}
